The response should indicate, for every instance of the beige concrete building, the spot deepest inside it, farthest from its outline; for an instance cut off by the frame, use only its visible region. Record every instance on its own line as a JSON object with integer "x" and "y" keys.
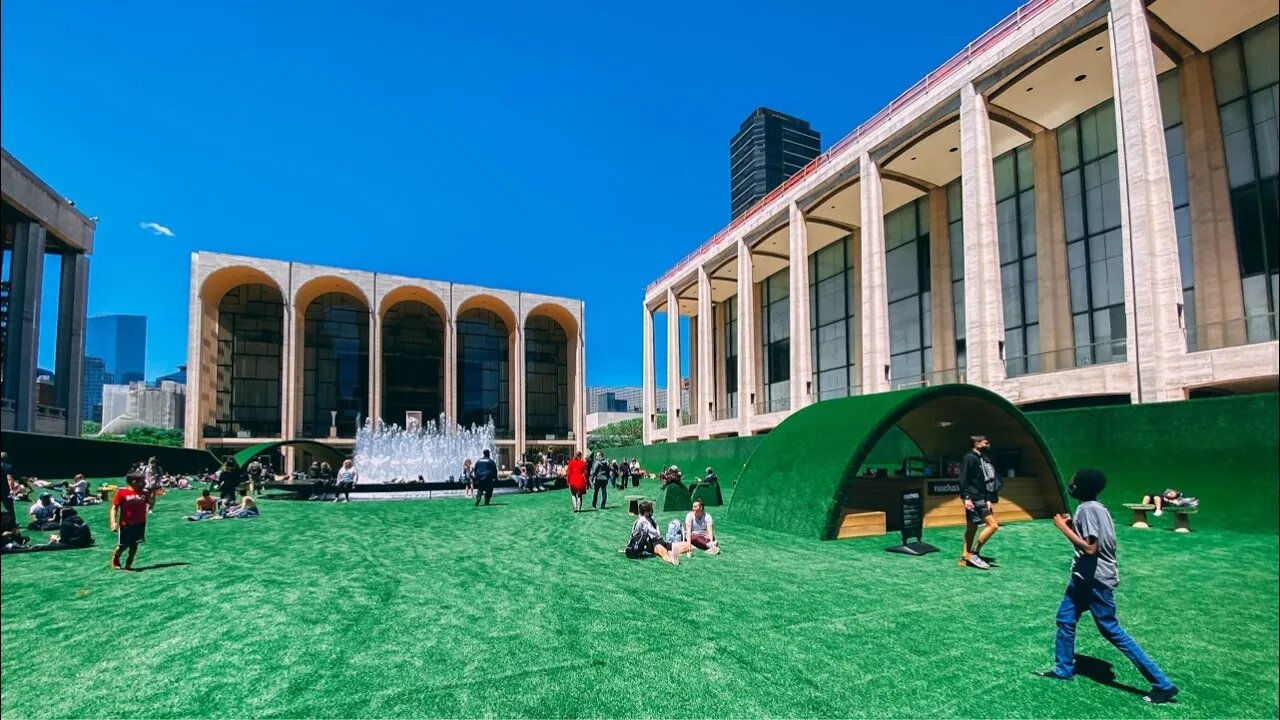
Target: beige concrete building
{"x": 1079, "y": 207}
{"x": 287, "y": 350}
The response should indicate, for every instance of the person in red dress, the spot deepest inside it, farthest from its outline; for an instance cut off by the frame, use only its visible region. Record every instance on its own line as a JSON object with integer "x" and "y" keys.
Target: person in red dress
{"x": 132, "y": 504}
{"x": 576, "y": 476}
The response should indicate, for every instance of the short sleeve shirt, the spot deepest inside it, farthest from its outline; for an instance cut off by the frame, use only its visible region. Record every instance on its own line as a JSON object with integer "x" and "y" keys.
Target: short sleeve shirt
{"x": 1092, "y": 520}
{"x": 43, "y": 512}
{"x": 699, "y": 526}
{"x": 132, "y": 504}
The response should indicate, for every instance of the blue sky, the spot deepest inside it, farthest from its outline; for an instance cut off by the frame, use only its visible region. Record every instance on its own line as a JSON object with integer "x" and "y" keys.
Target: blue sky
{"x": 577, "y": 150}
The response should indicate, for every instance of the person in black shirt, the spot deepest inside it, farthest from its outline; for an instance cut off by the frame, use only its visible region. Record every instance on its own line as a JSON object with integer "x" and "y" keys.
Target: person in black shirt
{"x": 978, "y": 488}
{"x": 6, "y": 476}
{"x": 228, "y": 482}
{"x": 600, "y": 480}
{"x": 73, "y": 533}
{"x": 485, "y": 472}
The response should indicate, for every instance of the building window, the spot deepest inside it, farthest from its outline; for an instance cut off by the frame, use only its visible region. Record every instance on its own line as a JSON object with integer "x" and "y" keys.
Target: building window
{"x": 484, "y": 371}
{"x": 546, "y": 362}
{"x": 731, "y": 356}
{"x": 906, "y": 235}
{"x": 412, "y": 361}
{"x": 250, "y": 339}
{"x": 1245, "y": 73}
{"x": 955, "y": 234}
{"x": 832, "y": 320}
{"x": 1091, "y": 209}
{"x": 775, "y": 301}
{"x": 335, "y": 375}
{"x": 1175, "y": 143}
{"x": 1016, "y": 232}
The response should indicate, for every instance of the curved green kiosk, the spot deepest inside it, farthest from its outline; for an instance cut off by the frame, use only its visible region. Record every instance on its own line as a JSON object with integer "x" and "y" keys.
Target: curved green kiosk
{"x": 810, "y": 475}
{"x": 328, "y": 454}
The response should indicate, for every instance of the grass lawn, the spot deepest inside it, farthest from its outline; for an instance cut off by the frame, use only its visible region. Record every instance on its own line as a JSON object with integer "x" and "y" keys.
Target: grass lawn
{"x": 436, "y": 608}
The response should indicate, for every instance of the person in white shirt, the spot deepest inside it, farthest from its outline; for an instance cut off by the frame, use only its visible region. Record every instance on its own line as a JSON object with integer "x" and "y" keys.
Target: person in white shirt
{"x": 700, "y": 530}
{"x": 45, "y": 513}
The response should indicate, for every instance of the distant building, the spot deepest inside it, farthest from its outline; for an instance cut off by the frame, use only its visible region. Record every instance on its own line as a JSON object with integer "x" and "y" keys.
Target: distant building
{"x": 162, "y": 406}
{"x": 95, "y": 376}
{"x": 121, "y": 342}
{"x": 621, "y": 400}
{"x": 179, "y": 377}
{"x": 769, "y": 148}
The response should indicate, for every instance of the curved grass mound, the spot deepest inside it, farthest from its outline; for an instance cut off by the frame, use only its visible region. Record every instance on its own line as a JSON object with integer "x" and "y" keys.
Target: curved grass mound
{"x": 674, "y": 498}
{"x": 326, "y": 453}
{"x": 801, "y": 474}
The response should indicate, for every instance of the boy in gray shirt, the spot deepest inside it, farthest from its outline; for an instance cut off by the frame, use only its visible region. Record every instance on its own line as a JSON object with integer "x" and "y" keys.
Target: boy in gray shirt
{"x": 1091, "y": 589}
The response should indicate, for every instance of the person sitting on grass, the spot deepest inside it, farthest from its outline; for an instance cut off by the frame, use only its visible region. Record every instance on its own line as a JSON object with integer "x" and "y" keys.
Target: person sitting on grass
{"x": 45, "y": 513}
{"x": 206, "y": 506}
{"x": 73, "y": 534}
{"x": 700, "y": 530}
{"x": 76, "y": 492}
{"x": 1091, "y": 588}
{"x": 646, "y": 541}
{"x": 247, "y": 509}
{"x": 11, "y": 538}
{"x": 1169, "y": 498}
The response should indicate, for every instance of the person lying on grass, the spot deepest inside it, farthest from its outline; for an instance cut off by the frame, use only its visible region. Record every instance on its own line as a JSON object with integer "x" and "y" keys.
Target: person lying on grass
{"x": 646, "y": 541}
{"x": 1091, "y": 588}
{"x": 247, "y": 508}
{"x": 206, "y": 506}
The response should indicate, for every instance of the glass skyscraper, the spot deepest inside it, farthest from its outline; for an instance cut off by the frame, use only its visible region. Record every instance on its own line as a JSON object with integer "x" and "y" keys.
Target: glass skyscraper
{"x": 769, "y": 148}
{"x": 121, "y": 342}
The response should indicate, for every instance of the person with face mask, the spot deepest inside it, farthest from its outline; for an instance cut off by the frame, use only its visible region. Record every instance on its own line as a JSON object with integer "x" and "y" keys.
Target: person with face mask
{"x": 978, "y": 488}
{"x": 1091, "y": 588}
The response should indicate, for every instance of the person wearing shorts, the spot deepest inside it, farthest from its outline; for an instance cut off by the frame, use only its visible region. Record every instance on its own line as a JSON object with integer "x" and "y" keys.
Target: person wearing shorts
{"x": 128, "y": 516}
{"x": 977, "y": 491}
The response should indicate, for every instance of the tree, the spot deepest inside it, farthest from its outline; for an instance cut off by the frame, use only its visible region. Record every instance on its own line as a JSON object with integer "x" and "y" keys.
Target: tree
{"x": 89, "y": 427}
{"x": 619, "y": 434}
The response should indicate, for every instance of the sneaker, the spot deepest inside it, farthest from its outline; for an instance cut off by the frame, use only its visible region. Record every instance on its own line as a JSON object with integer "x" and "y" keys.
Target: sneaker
{"x": 984, "y": 556}
{"x": 1053, "y": 675}
{"x": 1158, "y": 513}
{"x": 1159, "y": 697}
{"x": 978, "y": 562}
{"x": 713, "y": 550}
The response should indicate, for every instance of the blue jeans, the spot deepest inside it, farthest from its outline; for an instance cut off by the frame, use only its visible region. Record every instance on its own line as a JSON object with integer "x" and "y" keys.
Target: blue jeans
{"x": 1100, "y": 602}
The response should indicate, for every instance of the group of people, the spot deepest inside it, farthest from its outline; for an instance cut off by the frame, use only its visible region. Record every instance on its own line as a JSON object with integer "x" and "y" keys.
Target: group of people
{"x": 599, "y": 476}
{"x": 696, "y": 532}
{"x": 325, "y": 481}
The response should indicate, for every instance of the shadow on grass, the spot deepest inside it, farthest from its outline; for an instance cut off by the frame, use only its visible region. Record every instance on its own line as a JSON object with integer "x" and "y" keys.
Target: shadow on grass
{"x": 159, "y": 566}
{"x": 1103, "y": 673}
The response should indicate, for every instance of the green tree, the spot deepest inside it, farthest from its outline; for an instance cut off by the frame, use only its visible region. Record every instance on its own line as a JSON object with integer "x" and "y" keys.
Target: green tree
{"x": 89, "y": 427}
{"x": 619, "y": 434}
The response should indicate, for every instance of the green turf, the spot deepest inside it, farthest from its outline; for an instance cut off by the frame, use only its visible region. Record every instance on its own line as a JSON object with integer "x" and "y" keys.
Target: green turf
{"x": 435, "y": 608}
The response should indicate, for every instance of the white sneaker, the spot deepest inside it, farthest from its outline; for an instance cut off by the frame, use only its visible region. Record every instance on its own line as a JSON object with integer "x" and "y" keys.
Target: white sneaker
{"x": 1158, "y": 513}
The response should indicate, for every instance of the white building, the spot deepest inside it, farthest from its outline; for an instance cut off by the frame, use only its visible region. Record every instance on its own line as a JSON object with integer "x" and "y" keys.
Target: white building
{"x": 163, "y": 406}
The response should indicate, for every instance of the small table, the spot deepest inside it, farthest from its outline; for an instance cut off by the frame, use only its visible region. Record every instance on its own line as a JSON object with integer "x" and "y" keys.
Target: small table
{"x": 633, "y": 504}
{"x": 1140, "y": 514}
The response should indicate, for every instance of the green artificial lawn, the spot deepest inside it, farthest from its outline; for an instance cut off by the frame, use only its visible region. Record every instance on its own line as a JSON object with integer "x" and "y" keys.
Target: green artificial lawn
{"x": 436, "y": 608}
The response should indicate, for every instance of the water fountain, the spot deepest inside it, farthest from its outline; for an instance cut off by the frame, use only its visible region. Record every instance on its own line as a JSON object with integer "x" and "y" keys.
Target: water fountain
{"x": 435, "y": 450}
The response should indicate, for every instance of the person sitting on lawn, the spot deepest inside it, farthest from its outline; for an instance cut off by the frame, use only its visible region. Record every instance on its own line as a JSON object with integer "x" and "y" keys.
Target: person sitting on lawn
{"x": 1170, "y": 498}
{"x": 77, "y": 491}
{"x": 699, "y": 529}
{"x": 646, "y": 541}
{"x": 73, "y": 533}
{"x": 11, "y": 538}
{"x": 45, "y": 513}
{"x": 247, "y": 508}
{"x": 671, "y": 476}
{"x": 206, "y": 506}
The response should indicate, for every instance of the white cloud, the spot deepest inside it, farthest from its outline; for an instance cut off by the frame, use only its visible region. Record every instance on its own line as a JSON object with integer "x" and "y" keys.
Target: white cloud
{"x": 157, "y": 229}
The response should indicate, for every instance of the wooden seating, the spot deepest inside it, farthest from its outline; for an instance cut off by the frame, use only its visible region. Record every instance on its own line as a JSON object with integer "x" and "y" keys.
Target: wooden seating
{"x": 1181, "y": 517}
{"x": 633, "y": 504}
{"x": 856, "y": 522}
{"x": 1140, "y": 514}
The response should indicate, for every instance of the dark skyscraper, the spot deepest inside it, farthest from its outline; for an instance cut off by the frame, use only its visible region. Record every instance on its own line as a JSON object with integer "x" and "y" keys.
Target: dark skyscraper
{"x": 121, "y": 342}
{"x": 769, "y": 148}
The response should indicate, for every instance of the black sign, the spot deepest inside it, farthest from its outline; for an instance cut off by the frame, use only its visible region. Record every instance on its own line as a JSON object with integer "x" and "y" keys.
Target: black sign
{"x": 912, "y": 515}
{"x": 944, "y": 487}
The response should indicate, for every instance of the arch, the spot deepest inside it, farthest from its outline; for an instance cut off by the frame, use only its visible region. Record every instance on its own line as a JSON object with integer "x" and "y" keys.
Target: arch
{"x": 485, "y": 369}
{"x": 557, "y": 312}
{"x": 493, "y": 304}
{"x": 307, "y": 292}
{"x": 804, "y": 472}
{"x": 413, "y": 347}
{"x": 335, "y": 359}
{"x": 421, "y": 294}
{"x": 249, "y": 361}
{"x": 329, "y": 453}
{"x": 547, "y": 350}
{"x": 220, "y": 281}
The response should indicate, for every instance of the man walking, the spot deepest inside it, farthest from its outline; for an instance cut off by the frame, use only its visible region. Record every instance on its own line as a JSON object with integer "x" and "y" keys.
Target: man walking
{"x": 1094, "y": 576}
{"x": 978, "y": 489}
{"x": 131, "y": 503}
{"x": 486, "y": 472}
{"x": 600, "y": 480}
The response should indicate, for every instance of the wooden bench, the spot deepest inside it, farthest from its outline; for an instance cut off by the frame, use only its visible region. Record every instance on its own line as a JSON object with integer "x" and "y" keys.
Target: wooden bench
{"x": 633, "y": 504}
{"x": 1140, "y": 514}
{"x": 856, "y": 522}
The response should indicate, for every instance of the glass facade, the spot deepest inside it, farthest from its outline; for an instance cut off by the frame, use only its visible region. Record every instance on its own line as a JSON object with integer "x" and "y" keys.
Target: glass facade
{"x": 831, "y": 315}
{"x": 731, "y": 356}
{"x": 1091, "y": 209}
{"x": 546, "y": 364}
{"x": 335, "y": 373}
{"x": 249, "y": 365}
{"x": 412, "y": 361}
{"x": 907, "y": 265}
{"x": 955, "y": 234}
{"x": 775, "y": 299}
{"x": 1246, "y": 70}
{"x": 1176, "y": 147}
{"x": 1016, "y": 234}
{"x": 484, "y": 372}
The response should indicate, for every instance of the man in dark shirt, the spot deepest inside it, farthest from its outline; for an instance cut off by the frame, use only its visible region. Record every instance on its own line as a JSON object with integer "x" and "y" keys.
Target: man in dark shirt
{"x": 73, "y": 533}
{"x": 978, "y": 487}
{"x": 600, "y": 480}
{"x": 486, "y": 472}
{"x": 228, "y": 481}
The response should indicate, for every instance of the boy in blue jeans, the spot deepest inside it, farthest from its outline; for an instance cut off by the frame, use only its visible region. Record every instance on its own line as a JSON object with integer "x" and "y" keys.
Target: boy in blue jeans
{"x": 1091, "y": 589}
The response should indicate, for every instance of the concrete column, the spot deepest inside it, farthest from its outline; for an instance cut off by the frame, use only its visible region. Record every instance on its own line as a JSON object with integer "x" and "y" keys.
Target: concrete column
{"x": 673, "y": 365}
{"x": 706, "y": 355}
{"x": 1155, "y": 335}
{"x": 650, "y": 389}
{"x": 801, "y": 330}
{"x": 875, "y": 282}
{"x": 518, "y": 401}
{"x": 1219, "y": 297}
{"x": 579, "y": 391}
{"x": 72, "y": 305}
{"x": 451, "y": 370}
{"x": 289, "y": 390}
{"x": 855, "y": 266}
{"x": 694, "y": 358}
{"x": 943, "y": 325}
{"x": 1057, "y": 343}
{"x": 717, "y": 344}
{"x": 26, "y": 278}
{"x": 747, "y": 340}
{"x": 984, "y": 312}
{"x": 375, "y": 365}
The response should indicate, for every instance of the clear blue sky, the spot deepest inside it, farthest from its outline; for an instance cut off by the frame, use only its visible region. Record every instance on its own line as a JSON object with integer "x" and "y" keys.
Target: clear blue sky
{"x": 572, "y": 150}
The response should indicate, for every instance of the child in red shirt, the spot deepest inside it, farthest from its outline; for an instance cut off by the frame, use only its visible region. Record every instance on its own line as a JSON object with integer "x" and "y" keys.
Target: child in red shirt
{"x": 132, "y": 503}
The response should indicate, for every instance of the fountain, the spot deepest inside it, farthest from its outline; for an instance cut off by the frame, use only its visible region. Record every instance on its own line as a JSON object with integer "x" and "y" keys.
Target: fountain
{"x": 434, "y": 451}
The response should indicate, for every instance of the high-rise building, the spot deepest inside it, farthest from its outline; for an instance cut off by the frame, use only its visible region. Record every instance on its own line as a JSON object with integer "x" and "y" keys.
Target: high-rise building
{"x": 95, "y": 377}
{"x": 121, "y": 342}
{"x": 769, "y": 148}
{"x": 162, "y": 406}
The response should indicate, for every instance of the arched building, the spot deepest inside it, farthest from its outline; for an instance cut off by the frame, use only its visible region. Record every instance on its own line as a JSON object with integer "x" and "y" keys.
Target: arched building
{"x": 281, "y": 350}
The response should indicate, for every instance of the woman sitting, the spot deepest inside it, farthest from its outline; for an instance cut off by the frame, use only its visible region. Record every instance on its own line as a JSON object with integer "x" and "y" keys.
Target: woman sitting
{"x": 247, "y": 508}
{"x": 646, "y": 541}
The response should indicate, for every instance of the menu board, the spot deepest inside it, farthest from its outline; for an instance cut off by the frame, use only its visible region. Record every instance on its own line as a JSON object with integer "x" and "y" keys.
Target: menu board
{"x": 912, "y": 515}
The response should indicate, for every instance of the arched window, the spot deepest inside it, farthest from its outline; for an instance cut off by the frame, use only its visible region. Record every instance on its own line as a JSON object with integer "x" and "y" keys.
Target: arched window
{"x": 412, "y": 361}
{"x": 335, "y": 364}
{"x": 546, "y": 362}
{"x": 484, "y": 385}
{"x": 250, "y": 339}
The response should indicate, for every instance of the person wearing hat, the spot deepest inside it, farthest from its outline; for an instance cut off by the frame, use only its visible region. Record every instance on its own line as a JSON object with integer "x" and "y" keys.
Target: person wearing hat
{"x": 45, "y": 513}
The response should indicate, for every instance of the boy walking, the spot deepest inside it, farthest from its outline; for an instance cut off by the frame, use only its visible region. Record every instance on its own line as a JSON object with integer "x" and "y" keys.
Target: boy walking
{"x": 132, "y": 504}
{"x": 1094, "y": 575}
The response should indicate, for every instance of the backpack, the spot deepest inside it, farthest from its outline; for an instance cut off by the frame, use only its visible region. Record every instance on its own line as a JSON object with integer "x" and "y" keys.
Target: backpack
{"x": 638, "y": 547}
{"x": 675, "y": 531}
